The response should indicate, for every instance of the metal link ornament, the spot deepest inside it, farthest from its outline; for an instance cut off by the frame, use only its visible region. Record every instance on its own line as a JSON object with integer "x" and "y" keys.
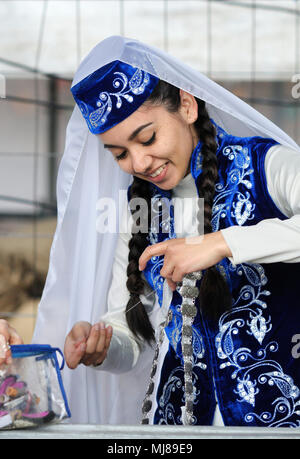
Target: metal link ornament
{"x": 189, "y": 293}
{"x": 147, "y": 403}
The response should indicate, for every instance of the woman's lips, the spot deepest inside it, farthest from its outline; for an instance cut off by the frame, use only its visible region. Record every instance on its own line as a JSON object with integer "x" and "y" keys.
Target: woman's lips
{"x": 161, "y": 175}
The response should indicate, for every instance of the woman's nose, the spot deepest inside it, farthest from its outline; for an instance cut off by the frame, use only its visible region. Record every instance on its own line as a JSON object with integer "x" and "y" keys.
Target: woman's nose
{"x": 141, "y": 163}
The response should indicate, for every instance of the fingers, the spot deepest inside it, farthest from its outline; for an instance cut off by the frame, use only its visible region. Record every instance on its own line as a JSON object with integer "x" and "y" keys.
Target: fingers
{"x": 8, "y": 336}
{"x": 80, "y": 331}
{"x": 5, "y": 356}
{"x": 87, "y": 344}
{"x": 172, "y": 276}
{"x": 14, "y": 337}
{"x": 152, "y": 251}
{"x": 74, "y": 352}
{"x": 97, "y": 344}
{"x": 167, "y": 272}
{"x": 172, "y": 284}
{"x": 109, "y": 332}
{"x": 75, "y": 344}
{"x": 96, "y": 340}
{"x": 9, "y": 333}
{"x": 165, "y": 248}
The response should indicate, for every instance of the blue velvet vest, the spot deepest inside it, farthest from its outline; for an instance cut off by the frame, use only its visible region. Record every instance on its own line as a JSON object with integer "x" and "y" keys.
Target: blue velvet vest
{"x": 244, "y": 360}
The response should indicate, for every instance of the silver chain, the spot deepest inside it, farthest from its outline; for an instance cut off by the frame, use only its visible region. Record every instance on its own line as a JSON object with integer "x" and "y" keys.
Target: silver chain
{"x": 189, "y": 293}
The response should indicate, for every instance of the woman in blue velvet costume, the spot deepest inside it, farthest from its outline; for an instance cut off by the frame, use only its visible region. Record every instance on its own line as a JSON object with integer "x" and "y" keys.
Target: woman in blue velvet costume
{"x": 226, "y": 304}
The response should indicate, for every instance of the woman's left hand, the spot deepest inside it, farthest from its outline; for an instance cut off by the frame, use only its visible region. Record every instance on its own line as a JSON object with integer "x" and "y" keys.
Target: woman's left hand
{"x": 187, "y": 255}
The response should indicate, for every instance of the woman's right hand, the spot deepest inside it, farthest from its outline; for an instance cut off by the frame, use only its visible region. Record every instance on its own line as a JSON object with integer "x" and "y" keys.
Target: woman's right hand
{"x": 8, "y": 336}
{"x": 87, "y": 344}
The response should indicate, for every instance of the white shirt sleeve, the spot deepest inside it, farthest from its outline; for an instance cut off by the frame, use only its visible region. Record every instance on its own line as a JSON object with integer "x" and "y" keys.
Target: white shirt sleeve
{"x": 273, "y": 240}
{"x": 125, "y": 348}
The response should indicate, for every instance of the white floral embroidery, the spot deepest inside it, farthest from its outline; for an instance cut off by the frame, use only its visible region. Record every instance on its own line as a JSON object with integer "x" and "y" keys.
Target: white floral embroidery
{"x": 258, "y": 326}
{"x": 166, "y": 409}
{"x": 246, "y": 390}
{"x": 175, "y": 334}
{"x": 252, "y": 368}
{"x": 126, "y": 90}
{"x": 161, "y": 221}
{"x": 175, "y": 382}
{"x": 241, "y": 207}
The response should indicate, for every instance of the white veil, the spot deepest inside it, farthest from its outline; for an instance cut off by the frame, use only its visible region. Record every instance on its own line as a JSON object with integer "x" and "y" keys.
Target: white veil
{"x": 81, "y": 258}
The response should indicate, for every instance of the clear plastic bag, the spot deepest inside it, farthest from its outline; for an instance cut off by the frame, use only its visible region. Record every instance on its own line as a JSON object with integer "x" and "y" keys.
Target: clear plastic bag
{"x": 31, "y": 388}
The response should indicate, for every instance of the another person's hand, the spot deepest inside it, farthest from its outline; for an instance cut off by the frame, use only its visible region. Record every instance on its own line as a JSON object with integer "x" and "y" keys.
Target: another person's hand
{"x": 87, "y": 344}
{"x": 8, "y": 336}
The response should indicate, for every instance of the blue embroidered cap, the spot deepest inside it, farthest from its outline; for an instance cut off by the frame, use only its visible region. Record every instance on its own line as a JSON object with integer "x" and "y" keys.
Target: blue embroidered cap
{"x": 111, "y": 94}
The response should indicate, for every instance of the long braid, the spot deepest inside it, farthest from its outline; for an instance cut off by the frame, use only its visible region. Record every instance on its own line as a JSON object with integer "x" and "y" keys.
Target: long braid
{"x": 214, "y": 295}
{"x": 136, "y": 315}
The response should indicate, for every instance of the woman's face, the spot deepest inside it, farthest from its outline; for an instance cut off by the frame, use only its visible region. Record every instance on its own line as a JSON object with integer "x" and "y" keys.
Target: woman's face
{"x": 154, "y": 144}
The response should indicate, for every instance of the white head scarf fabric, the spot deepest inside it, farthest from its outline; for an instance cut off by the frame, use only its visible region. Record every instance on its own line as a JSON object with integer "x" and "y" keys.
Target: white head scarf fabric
{"x": 81, "y": 258}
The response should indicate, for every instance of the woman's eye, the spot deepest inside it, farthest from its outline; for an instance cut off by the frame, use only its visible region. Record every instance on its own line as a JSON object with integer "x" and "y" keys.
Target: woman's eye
{"x": 124, "y": 153}
{"x": 150, "y": 141}
{"x": 121, "y": 156}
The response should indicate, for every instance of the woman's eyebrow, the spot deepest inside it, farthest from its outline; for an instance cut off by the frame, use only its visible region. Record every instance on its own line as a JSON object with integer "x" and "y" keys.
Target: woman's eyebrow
{"x": 131, "y": 137}
{"x": 138, "y": 130}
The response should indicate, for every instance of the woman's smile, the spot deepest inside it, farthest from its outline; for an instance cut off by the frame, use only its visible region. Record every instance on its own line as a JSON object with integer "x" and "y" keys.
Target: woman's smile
{"x": 153, "y": 145}
{"x": 159, "y": 174}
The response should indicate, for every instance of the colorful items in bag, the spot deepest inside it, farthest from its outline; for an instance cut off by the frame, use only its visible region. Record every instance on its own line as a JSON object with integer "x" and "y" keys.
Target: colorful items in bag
{"x": 31, "y": 388}
{"x": 17, "y": 402}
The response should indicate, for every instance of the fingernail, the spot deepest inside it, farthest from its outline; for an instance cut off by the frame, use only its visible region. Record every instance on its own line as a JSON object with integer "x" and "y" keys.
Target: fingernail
{"x": 3, "y": 347}
{"x": 97, "y": 327}
{"x": 82, "y": 347}
{"x": 102, "y": 325}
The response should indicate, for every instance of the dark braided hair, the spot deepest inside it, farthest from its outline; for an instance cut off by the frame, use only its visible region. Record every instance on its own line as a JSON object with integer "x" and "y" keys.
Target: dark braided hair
{"x": 214, "y": 296}
{"x": 136, "y": 315}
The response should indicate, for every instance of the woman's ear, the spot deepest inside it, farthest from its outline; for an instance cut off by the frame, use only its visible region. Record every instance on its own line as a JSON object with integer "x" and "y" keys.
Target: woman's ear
{"x": 188, "y": 107}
